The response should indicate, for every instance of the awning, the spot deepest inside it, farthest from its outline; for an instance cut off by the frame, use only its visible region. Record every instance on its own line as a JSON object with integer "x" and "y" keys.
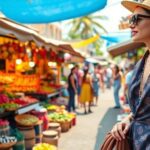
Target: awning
{"x": 123, "y": 47}
{"x": 21, "y": 32}
{"x": 68, "y": 49}
{"x": 97, "y": 60}
{"x": 24, "y": 33}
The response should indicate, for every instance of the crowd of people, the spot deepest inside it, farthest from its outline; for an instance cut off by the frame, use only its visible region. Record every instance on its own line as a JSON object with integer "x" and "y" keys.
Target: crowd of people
{"x": 88, "y": 85}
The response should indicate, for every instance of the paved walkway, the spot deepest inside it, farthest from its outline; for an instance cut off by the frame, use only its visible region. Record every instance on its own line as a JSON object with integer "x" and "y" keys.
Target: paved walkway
{"x": 91, "y": 129}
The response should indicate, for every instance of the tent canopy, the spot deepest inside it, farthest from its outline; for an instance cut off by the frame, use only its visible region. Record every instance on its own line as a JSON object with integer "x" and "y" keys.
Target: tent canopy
{"x": 24, "y": 33}
{"x": 124, "y": 47}
{"x": 45, "y": 11}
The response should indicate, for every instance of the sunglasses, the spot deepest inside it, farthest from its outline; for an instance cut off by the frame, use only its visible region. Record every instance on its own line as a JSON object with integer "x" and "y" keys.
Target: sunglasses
{"x": 136, "y": 18}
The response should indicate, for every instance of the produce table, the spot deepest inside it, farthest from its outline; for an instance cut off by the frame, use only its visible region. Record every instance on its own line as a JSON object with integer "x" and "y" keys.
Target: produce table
{"x": 44, "y": 96}
{"x": 10, "y": 114}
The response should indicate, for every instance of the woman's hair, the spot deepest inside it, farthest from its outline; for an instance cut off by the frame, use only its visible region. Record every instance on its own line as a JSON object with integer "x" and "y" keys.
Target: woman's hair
{"x": 85, "y": 74}
{"x": 147, "y": 11}
{"x": 72, "y": 69}
{"x": 117, "y": 69}
{"x": 99, "y": 66}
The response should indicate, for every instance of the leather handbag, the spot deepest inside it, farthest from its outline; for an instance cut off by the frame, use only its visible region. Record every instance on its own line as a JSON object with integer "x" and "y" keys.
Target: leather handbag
{"x": 110, "y": 143}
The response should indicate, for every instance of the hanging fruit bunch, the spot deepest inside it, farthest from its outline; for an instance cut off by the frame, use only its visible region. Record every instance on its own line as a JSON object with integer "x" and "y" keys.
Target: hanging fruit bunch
{"x": 3, "y": 51}
{"x": 52, "y": 55}
{"x": 60, "y": 57}
{"x": 42, "y": 52}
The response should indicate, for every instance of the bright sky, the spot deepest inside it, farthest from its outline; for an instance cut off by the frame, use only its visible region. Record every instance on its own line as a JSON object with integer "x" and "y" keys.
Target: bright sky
{"x": 114, "y": 11}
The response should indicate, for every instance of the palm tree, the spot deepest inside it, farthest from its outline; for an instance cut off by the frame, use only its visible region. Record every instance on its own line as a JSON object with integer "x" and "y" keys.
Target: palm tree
{"x": 86, "y": 26}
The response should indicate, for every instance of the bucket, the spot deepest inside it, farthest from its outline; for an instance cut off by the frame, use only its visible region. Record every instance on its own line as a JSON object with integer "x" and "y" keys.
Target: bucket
{"x": 28, "y": 132}
{"x": 56, "y": 127}
{"x": 29, "y": 143}
{"x": 50, "y": 137}
{"x": 29, "y": 135}
{"x": 65, "y": 126}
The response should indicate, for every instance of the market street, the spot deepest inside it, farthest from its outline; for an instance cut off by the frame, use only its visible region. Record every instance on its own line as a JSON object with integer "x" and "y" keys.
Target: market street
{"x": 90, "y": 130}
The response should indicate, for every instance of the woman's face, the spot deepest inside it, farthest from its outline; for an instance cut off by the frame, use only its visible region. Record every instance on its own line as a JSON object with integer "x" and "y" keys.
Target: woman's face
{"x": 141, "y": 31}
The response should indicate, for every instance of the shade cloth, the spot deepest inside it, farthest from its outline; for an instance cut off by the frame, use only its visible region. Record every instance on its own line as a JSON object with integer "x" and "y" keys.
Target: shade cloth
{"x": 44, "y": 11}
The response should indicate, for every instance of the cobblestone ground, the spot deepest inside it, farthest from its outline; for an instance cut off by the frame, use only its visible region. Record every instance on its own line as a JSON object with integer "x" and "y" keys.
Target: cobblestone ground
{"x": 90, "y": 130}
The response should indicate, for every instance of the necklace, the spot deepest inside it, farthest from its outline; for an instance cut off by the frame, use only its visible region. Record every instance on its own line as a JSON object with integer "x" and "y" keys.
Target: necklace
{"x": 142, "y": 76}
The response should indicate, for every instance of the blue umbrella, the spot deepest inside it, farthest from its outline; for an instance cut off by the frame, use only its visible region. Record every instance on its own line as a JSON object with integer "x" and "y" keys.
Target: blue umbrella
{"x": 45, "y": 11}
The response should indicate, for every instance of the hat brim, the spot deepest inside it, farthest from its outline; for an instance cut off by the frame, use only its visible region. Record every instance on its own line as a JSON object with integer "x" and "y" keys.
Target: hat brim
{"x": 131, "y": 5}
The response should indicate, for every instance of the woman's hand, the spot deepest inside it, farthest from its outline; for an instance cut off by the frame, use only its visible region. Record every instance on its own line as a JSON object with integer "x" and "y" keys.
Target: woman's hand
{"x": 120, "y": 129}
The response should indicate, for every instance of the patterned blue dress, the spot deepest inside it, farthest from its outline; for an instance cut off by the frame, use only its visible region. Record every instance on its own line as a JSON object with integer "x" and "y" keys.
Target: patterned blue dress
{"x": 139, "y": 133}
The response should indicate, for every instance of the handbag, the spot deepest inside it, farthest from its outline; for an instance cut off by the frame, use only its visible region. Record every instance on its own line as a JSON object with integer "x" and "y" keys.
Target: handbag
{"x": 110, "y": 143}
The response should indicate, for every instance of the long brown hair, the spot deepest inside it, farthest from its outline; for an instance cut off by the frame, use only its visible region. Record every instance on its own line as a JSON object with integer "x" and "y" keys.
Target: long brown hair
{"x": 85, "y": 74}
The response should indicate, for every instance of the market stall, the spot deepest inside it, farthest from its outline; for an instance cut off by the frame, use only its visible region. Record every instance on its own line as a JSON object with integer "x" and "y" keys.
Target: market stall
{"x": 30, "y": 72}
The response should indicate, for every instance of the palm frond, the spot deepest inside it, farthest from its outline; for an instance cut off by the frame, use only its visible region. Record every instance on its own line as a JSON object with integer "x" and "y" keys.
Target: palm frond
{"x": 99, "y": 26}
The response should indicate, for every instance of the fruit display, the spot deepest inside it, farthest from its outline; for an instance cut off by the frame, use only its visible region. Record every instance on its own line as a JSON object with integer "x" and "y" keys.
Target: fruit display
{"x": 20, "y": 102}
{"x": 3, "y": 99}
{"x": 57, "y": 117}
{"x": 19, "y": 83}
{"x": 9, "y": 106}
{"x": 44, "y": 146}
{"x": 3, "y": 123}
{"x": 50, "y": 107}
{"x": 29, "y": 100}
{"x": 46, "y": 90}
{"x": 25, "y": 101}
{"x": 26, "y": 120}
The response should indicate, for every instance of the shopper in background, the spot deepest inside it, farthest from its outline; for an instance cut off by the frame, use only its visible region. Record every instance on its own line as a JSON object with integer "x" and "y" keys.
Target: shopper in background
{"x": 72, "y": 89}
{"x": 79, "y": 81}
{"x": 96, "y": 84}
{"x": 137, "y": 124}
{"x": 108, "y": 77}
{"x": 101, "y": 73}
{"x": 128, "y": 79}
{"x": 116, "y": 85}
{"x": 86, "y": 95}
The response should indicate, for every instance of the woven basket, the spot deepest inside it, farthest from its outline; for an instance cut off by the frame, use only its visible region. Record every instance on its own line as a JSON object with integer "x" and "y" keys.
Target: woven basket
{"x": 19, "y": 119}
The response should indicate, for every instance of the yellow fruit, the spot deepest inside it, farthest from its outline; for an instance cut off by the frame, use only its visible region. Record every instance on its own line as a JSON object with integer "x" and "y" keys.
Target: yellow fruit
{"x": 44, "y": 146}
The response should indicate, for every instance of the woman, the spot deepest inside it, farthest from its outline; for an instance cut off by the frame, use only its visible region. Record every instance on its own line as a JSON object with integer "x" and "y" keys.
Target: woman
{"x": 86, "y": 95}
{"x": 101, "y": 73}
{"x": 72, "y": 89}
{"x": 137, "y": 124}
{"x": 116, "y": 85}
{"x": 96, "y": 84}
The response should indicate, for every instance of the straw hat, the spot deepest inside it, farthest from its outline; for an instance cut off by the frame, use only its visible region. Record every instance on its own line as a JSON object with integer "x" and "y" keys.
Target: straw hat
{"x": 131, "y": 5}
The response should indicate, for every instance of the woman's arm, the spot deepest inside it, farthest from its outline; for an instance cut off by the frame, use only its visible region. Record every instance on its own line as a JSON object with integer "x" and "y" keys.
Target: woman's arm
{"x": 129, "y": 118}
{"x": 116, "y": 76}
{"x": 121, "y": 128}
{"x": 90, "y": 80}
